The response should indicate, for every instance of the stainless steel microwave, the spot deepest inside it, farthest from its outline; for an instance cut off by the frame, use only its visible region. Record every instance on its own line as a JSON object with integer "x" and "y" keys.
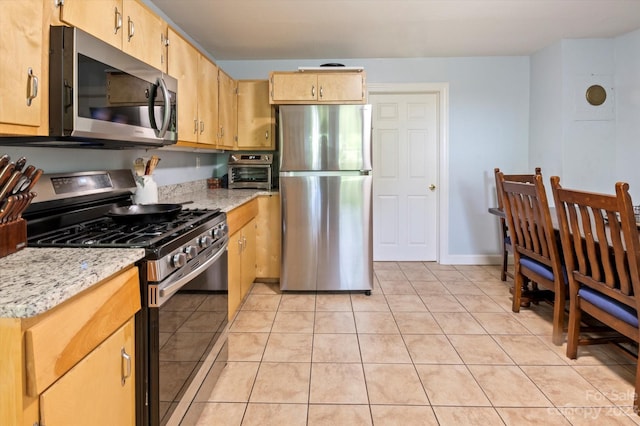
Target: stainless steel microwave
{"x": 101, "y": 97}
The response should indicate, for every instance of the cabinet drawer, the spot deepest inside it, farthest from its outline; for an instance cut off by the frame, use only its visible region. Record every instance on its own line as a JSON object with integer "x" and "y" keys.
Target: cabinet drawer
{"x": 66, "y": 334}
{"x": 240, "y": 216}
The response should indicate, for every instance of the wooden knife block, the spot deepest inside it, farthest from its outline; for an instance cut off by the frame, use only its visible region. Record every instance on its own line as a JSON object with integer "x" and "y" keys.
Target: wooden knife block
{"x": 13, "y": 237}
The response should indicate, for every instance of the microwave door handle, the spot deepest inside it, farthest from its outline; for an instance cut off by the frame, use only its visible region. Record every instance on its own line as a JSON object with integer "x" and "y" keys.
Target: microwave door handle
{"x": 167, "y": 108}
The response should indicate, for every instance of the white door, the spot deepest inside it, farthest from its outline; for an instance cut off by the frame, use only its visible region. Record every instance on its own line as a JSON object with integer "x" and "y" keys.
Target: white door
{"x": 405, "y": 163}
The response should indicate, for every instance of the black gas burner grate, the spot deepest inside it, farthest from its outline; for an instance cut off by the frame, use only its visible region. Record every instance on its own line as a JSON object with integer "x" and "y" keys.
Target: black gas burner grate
{"x": 104, "y": 232}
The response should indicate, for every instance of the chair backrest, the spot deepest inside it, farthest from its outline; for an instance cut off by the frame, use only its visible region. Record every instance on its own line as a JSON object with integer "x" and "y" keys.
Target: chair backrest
{"x": 600, "y": 241}
{"x": 529, "y": 221}
{"x": 514, "y": 178}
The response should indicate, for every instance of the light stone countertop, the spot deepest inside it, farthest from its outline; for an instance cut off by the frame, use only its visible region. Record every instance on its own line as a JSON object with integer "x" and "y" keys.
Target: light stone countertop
{"x": 224, "y": 199}
{"x": 34, "y": 280}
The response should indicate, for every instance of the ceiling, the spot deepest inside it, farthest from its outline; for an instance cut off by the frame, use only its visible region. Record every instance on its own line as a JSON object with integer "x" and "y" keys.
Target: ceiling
{"x": 335, "y": 29}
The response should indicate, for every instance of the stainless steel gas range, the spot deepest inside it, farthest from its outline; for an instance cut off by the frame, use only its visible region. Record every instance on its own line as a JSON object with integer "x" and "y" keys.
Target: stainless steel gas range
{"x": 183, "y": 276}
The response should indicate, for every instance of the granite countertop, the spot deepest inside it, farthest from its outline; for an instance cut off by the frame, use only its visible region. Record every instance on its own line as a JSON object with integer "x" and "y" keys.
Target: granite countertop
{"x": 34, "y": 280}
{"x": 223, "y": 199}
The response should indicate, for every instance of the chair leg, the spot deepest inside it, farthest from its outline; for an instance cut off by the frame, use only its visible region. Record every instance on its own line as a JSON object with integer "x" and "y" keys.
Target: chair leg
{"x": 558, "y": 318}
{"x": 636, "y": 398}
{"x": 505, "y": 262}
{"x": 517, "y": 292}
{"x": 573, "y": 332}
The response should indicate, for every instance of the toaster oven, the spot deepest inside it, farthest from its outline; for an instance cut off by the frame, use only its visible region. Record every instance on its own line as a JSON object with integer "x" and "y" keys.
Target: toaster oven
{"x": 251, "y": 171}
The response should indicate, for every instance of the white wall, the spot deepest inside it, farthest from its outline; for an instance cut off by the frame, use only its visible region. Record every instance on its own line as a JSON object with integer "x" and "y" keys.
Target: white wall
{"x": 627, "y": 81}
{"x": 589, "y": 147}
{"x": 488, "y": 128}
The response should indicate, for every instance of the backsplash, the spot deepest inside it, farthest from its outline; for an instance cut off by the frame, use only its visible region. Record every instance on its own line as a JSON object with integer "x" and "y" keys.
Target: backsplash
{"x": 169, "y": 191}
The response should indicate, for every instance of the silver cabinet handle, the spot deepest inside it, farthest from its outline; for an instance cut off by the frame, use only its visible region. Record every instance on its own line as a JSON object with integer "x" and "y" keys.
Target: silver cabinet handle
{"x": 321, "y": 92}
{"x": 201, "y": 127}
{"x": 118, "y": 23}
{"x": 221, "y": 131}
{"x": 131, "y": 28}
{"x": 33, "y": 86}
{"x": 126, "y": 366}
{"x": 195, "y": 125}
{"x": 313, "y": 91}
{"x": 240, "y": 245}
{"x": 266, "y": 134}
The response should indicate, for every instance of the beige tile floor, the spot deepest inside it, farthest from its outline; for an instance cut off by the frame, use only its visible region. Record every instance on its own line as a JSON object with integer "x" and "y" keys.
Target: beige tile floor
{"x": 432, "y": 345}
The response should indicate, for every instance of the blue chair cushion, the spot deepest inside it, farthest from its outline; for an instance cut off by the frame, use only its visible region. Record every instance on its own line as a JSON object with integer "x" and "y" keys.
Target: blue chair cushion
{"x": 542, "y": 269}
{"x": 507, "y": 240}
{"x": 612, "y": 306}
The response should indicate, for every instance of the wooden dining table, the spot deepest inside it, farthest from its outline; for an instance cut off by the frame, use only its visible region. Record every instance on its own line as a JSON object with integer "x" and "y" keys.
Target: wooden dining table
{"x": 497, "y": 211}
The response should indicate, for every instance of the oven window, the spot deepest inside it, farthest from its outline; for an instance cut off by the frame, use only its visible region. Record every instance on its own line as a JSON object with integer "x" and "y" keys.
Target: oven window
{"x": 191, "y": 323}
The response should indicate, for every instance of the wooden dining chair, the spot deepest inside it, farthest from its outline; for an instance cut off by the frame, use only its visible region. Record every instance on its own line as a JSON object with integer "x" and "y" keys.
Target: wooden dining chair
{"x": 536, "y": 252}
{"x": 601, "y": 249}
{"x": 504, "y": 233}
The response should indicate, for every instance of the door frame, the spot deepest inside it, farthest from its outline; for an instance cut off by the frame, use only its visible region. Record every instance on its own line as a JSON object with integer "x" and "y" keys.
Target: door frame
{"x": 442, "y": 195}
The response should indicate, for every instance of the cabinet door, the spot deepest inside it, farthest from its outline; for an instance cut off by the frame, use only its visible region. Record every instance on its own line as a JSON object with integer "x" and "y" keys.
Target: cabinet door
{"x": 234, "y": 274}
{"x": 226, "y": 111}
{"x": 256, "y": 119}
{"x": 99, "y": 390}
{"x": 144, "y": 34}
{"x": 183, "y": 66}
{"x": 207, "y": 101}
{"x": 20, "y": 51}
{"x": 101, "y": 18}
{"x": 268, "y": 237}
{"x": 341, "y": 87}
{"x": 294, "y": 87}
{"x": 248, "y": 257}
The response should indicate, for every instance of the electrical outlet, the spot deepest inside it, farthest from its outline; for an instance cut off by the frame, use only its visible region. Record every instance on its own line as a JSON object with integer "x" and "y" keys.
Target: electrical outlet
{"x": 197, "y": 162}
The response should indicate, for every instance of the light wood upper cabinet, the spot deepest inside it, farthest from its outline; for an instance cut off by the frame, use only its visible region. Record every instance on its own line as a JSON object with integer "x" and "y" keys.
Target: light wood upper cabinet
{"x": 125, "y": 24}
{"x": 197, "y": 92}
{"x": 100, "y": 18}
{"x": 145, "y": 34}
{"x": 227, "y": 111}
{"x": 256, "y": 116}
{"x": 208, "y": 94}
{"x": 21, "y": 67}
{"x": 317, "y": 87}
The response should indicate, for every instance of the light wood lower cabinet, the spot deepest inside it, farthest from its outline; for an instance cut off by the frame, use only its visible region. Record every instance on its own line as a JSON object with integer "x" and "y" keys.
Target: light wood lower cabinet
{"x": 67, "y": 365}
{"x": 268, "y": 237}
{"x": 104, "y": 379}
{"x": 241, "y": 252}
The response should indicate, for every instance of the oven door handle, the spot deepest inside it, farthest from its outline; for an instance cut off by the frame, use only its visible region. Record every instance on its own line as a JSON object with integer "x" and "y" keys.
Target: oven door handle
{"x": 178, "y": 284}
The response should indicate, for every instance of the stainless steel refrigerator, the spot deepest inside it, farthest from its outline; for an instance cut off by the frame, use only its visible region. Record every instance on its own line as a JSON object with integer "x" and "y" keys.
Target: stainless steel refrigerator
{"x": 325, "y": 190}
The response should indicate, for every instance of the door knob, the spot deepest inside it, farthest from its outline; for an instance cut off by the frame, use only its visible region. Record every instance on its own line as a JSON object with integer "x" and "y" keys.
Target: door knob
{"x": 432, "y": 187}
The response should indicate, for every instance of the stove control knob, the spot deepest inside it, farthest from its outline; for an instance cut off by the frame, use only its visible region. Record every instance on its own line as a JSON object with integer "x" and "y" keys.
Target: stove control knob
{"x": 205, "y": 241}
{"x": 191, "y": 252}
{"x": 178, "y": 260}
